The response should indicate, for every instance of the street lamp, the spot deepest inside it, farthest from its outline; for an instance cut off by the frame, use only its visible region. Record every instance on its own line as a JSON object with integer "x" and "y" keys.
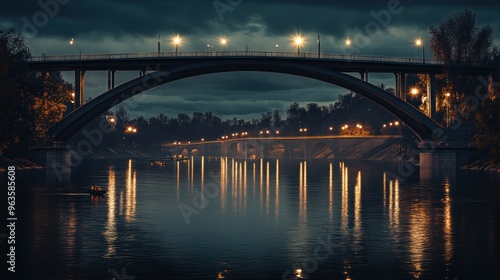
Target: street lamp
{"x": 447, "y": 95}
{"x": 223, "y": 41}
{"x": 176, "y": 41}
{"x": 348, "y": 43}
{"x": 159, "y": 43}
{"x": 72, "y": 42}
{"x": 298, "y": 41}
{"x": 420, "y": 43}
{"x": 414, "y": 91}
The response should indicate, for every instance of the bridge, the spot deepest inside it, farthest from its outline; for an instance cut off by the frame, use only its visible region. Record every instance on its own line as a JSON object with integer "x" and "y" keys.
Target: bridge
{"x": 156, "y": 69}
{"x": 303, "y": 147}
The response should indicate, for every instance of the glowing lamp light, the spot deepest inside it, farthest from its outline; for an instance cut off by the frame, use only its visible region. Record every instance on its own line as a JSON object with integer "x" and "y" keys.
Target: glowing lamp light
{"x": 348, "y": 41}
{"x": 418, "y": 42}
{"x": 298, "y": 41}
{"x": 223, "y": 41}
{"x": 176, "y": 40}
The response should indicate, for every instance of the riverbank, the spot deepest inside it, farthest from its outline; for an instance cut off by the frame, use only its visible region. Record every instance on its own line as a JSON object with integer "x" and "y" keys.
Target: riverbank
{"x": 19, "y": 161}
{"x": 25, "y": 161}
{"x": 483, "y": 164}
{"x": 389, "y": 152}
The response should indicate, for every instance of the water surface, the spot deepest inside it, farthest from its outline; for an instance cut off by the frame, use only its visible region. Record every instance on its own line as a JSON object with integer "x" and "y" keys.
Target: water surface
{"x": 262, "y": 219}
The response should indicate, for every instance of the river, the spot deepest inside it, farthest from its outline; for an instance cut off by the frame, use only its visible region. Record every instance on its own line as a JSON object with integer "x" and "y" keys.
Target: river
{"x": 262, "y": 219}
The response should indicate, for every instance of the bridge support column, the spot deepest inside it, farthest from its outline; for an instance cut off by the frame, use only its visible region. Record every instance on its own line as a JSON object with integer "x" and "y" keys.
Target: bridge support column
{"x": 364, "y": 76}
{"x": 111, "y": 79}
{"x": 446, "y": 158}
{"x": 431, "y": 96}
{"x": 79, "y": 88}
{"x": 397, "y": 85}
{"x": 400, "y": 89}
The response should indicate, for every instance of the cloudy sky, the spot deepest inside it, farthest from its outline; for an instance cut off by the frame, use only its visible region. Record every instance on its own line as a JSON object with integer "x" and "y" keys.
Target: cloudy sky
{"x": 383, "y": 28}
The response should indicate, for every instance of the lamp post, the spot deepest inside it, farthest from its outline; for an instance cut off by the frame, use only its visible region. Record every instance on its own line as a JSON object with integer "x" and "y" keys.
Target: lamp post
{"x": 176, "y": 41}
{"x": 420, "y": 43}
{"x": 159, "y": 41}
{"x": 447, "y": 95}
{"x": 72, "y": 42}
{"x": 348, "y": 43}
{"x": 298, "y": 40}
{"x": 319, "y": 47}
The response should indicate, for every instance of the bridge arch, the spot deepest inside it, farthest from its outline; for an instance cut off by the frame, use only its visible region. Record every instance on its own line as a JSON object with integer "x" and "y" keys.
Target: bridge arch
{"x": 419, "y": 123}
{"x": 253, "y": 152}
{"x": 276, "y": 150}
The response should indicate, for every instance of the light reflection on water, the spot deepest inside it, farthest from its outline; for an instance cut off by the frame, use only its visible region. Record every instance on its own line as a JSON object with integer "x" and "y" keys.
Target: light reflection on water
{"x": 266, "y": 218}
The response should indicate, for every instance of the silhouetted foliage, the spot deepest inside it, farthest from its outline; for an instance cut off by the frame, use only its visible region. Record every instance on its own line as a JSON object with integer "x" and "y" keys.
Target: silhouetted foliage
{"x": 30, "y": 102}
{"x": 459, "y": 41}
{"x": 488, "y": 126}
{"x": 351, "y": 110}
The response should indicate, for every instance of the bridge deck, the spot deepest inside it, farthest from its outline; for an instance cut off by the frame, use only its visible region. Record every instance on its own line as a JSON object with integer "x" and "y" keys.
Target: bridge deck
{"x": 164, "y": 60}
{"x": 283, "y": 138}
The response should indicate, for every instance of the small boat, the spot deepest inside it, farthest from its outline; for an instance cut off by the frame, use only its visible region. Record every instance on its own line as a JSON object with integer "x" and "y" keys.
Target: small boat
{"x": 96, "y": 190}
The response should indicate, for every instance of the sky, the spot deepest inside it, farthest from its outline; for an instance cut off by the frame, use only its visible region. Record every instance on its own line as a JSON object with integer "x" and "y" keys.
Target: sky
{"x": 379, "y": 28}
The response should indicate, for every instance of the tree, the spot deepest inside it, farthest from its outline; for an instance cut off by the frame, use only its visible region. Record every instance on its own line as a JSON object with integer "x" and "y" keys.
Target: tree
{"x": 15, "y": 80}
{"x": 49, "y": 104}
{"x": 488, "y": 126}
{"x": 30, "y": 102}
{"x": 459, "y": 41}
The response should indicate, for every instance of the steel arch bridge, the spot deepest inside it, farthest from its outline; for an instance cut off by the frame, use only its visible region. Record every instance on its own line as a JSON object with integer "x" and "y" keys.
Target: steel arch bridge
{"x": 418, "y": 122}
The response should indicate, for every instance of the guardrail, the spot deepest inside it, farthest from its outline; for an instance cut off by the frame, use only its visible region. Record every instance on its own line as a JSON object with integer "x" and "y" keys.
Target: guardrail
{"x": 173, "y": 55}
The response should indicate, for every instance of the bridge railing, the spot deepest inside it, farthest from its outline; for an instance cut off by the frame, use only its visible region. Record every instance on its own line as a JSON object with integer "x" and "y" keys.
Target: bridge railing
{"x": 173, "y": 55}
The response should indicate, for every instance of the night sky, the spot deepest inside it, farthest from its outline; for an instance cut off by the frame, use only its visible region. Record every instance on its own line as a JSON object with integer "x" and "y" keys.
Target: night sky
{"x": 133, "y": 26}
